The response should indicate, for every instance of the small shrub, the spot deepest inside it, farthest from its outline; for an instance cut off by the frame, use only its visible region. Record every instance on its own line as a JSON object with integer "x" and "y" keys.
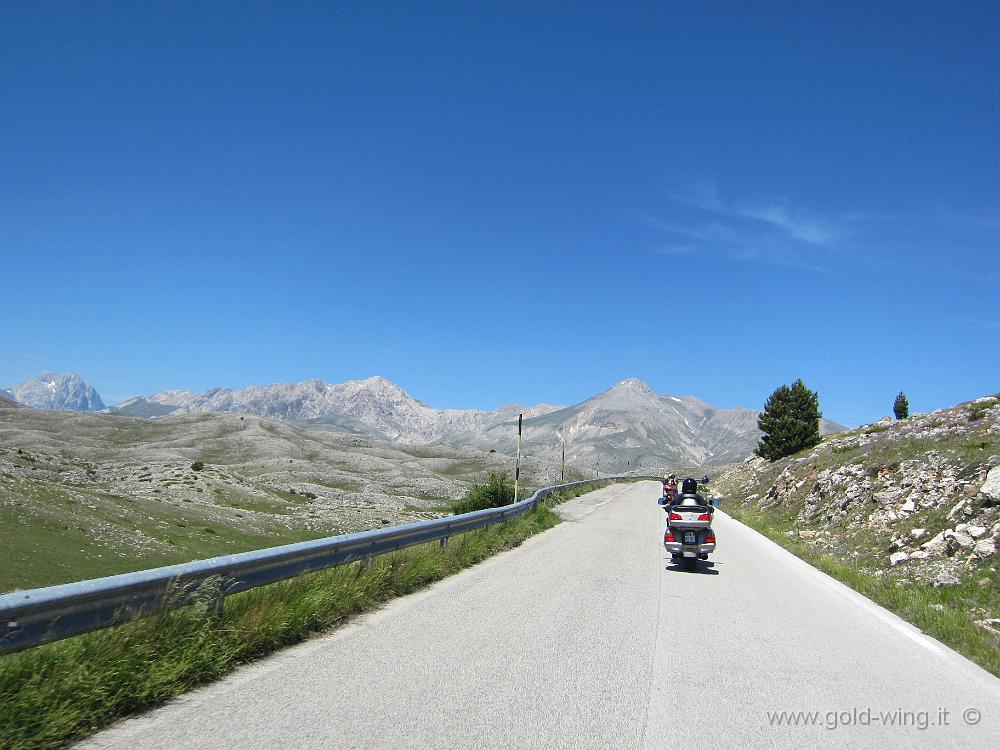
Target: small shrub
{"x": 497, "y": 491}
{"x": 876, "y": 428}
{"x": 976, "y": 411}
{"x": 197, "y": 466}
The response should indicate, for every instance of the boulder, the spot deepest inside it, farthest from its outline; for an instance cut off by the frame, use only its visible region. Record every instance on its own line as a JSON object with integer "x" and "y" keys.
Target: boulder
{"x": 984, "y": 548}
{"x": 806, "y": 534}
{"x": 992, "y": 625}
{"x": 920, "y": 555}
{"x": 958, "y": 540}
{"x": 909, "y": 507}
{"x": 945, "y": 578}
{"x": 976, "y": 531}
{"x": 991, "y": 487}
{"x": 898, "y": 557}
{"x": 937, "y": 545}
{"x": 918, "y": 533}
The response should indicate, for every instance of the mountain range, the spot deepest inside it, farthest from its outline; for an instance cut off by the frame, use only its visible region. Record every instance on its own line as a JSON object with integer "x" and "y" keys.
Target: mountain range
{"x": 373, "y": 406}
{"x": 628, "y": 426}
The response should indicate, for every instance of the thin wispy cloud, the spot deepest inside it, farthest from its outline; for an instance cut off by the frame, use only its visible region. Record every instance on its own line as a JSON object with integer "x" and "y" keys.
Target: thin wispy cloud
{"x": 773, "y": 232}
{"x": 807, "y": 229}
{"x": 796, "y": 224}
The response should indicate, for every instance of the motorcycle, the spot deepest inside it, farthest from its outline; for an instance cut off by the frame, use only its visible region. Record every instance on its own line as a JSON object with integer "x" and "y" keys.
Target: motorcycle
{"x": 688, "y": 536}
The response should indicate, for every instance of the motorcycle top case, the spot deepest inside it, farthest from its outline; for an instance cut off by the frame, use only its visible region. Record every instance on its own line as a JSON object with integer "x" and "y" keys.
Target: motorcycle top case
{"x": 689, "y": 518}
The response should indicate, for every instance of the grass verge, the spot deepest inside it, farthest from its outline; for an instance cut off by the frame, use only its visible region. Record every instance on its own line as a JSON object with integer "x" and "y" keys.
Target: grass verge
{"x": 56, "y": 693}
{"x": 943, "y": 612}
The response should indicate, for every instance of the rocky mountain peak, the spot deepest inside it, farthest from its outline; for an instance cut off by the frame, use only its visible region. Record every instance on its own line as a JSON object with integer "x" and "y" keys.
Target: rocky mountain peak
{"x": 634, "y": 384}
{"x": 52, "y": 390}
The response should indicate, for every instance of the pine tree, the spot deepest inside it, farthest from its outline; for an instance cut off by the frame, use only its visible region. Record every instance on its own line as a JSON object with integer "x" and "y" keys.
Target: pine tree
{"x": 901, "y": 407}
{"x": 790, "y": 421}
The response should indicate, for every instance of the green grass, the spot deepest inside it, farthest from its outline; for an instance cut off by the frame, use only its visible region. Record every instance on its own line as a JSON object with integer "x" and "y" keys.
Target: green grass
{"x": 946, "y": 613}
{"x": 53, "y": 535}
{"x": 56, "y": 693}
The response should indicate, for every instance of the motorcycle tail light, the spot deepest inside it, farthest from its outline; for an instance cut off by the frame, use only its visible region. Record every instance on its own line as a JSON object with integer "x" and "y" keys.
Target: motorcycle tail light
{"x": 704, "y": 517}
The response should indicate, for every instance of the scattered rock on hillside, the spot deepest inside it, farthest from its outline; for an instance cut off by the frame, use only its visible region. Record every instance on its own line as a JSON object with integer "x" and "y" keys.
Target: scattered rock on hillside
{"x": 916, "y": 499}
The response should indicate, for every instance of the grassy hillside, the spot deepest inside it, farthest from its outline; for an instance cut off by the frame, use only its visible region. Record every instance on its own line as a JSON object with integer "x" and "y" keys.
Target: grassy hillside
{"x": 86, "y": 495}
{"x": 907, "y": 511}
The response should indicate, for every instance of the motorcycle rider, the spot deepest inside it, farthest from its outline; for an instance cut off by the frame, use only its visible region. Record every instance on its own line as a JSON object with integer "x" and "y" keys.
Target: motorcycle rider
{"x": 689, "y": 488}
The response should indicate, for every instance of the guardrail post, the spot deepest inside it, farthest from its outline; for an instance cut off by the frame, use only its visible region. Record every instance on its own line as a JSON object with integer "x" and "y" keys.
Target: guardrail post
{"x": 217, "y": 597}
{"x": 444, "y": 542}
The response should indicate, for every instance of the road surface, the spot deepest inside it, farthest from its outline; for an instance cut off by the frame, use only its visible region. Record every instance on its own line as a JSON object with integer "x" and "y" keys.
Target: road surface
{"x": 587, "y": 637}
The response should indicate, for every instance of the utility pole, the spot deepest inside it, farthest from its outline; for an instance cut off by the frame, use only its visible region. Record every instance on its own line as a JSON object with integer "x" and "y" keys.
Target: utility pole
{"x": 562, "y": 443}
{"x": 517, "y": 464}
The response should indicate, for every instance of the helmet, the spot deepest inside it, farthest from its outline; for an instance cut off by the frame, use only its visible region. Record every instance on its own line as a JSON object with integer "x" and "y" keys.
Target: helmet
{"x": 690, "y": 487}
{"x": 672, "y": 476}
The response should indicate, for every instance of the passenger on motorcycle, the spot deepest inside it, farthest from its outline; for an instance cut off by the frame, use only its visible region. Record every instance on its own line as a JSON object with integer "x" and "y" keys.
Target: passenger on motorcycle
{"x": 669, "y": 488}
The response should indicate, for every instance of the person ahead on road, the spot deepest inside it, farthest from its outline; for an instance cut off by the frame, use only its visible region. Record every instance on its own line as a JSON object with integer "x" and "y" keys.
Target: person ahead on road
{"x": 669, "y": 487}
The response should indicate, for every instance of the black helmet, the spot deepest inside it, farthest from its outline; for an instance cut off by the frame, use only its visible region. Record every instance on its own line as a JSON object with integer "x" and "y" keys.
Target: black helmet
{"x": 689, "y": 487}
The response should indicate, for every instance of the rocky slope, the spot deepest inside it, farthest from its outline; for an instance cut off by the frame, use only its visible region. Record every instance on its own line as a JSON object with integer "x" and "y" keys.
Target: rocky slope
{"x": 51, "y": 390}
{"x": 915, "y": 500}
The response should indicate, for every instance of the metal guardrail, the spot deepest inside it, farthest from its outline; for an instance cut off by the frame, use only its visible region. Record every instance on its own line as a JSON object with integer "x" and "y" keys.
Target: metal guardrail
{"x": 36, "y": 616}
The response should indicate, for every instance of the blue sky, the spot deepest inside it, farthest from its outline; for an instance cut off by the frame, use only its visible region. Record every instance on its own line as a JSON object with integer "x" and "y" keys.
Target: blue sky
{"x": 505, "y": 203}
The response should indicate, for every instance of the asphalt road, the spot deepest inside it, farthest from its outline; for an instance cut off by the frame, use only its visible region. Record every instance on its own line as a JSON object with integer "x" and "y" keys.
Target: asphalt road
{"x": 587, "y": 637}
